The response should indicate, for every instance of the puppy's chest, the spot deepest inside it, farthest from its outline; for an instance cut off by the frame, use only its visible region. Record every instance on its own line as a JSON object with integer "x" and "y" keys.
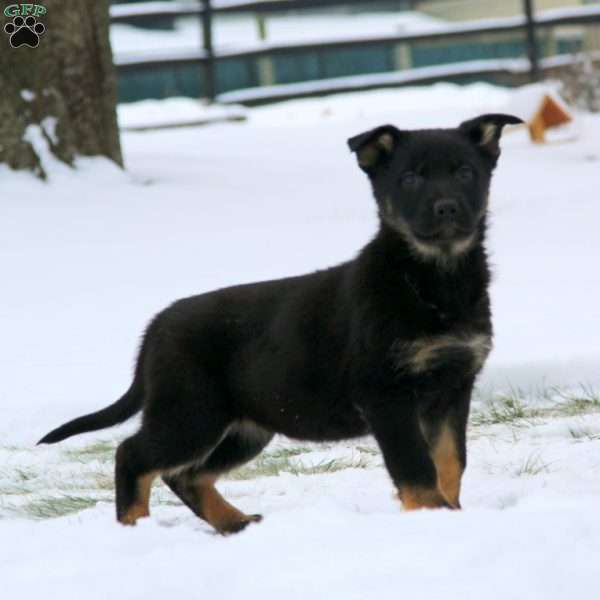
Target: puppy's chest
{"x": 447, "y": 332}
{"x": 464, "y": 350}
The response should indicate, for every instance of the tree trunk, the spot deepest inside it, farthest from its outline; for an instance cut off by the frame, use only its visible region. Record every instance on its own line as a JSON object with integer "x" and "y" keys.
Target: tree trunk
{"x": 60, "y": 95}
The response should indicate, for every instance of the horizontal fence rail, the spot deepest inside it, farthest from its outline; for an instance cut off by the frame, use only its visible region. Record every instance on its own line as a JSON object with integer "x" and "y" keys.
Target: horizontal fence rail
{"x": 127, "y": 12}
{"x": 511, "y": 70}
{"x": 207, "y": 57}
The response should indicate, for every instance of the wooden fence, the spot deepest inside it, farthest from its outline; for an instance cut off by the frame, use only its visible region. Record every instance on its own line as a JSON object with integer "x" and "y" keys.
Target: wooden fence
{"x": 529, "y": 26}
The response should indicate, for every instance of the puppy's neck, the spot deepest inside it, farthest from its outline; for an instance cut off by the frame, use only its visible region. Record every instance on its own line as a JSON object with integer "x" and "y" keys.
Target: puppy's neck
{"x": 399, "y": 251}
{"x": 392, "y": 270}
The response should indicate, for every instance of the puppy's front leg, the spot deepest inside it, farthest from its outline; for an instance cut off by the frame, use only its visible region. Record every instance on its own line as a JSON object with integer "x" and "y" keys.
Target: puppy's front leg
{"x": 395, "y": 425}
{"x": 444, "y": 425}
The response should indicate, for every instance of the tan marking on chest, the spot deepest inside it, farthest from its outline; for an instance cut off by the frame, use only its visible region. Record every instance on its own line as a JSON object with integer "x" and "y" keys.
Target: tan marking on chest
{"x": 422, "y": 354}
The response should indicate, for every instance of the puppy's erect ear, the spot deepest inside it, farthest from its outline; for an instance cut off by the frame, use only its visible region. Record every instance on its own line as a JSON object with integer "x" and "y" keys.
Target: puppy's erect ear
{"x": 374, "y": 146}
{"x": 485, "y": 131}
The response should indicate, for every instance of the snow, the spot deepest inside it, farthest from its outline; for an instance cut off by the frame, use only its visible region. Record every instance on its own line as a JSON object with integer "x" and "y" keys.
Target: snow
{"x": 236, "y": 32}
{"x": 569, "y": 12}
{"x": 174, "y": 112}
{"x": 49, "y": 126}
{"x": 90, "y": 256}
{"x": 28, "y": 95}
{"x": 34, "y": 134}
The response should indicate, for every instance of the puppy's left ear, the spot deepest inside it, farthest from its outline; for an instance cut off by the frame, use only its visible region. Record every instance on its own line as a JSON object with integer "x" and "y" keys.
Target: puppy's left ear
{"x": 375, "y": 146}
{"x": 485, "y": 131}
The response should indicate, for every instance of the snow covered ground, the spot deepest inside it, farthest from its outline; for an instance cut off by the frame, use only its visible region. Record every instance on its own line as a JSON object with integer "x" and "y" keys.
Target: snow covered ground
{"x": 242, "y": 31}
{"x": 89, "y": 257}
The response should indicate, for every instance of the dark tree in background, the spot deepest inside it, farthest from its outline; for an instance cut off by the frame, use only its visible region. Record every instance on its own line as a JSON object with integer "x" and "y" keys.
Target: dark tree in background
{"x": 63, "y": 91}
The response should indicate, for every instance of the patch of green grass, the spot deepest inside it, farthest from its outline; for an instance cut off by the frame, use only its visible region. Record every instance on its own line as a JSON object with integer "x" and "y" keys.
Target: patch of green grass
{"x": 271, "y": 464}
{"x": 102, "y": 451}
{"x": 518, "y": 408}
{"x": 283, "y": 453}
{"x": 506, "y": 408}
{"x": 14, "y": 489}
{"x": 533, "y": 465}
{"x": 24, "y": 475}
{"x": 49, "y": 508}
{"x": 17, "y": 481}
{"x": 582, "y": 401}
{"x": 331, "y": 466}
{"x": 105, "y": 482}
{"x": 368, "y": 450}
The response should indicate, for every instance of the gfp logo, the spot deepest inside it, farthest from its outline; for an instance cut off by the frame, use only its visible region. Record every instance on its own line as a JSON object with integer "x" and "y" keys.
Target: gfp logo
{"x": 24, "y": 29}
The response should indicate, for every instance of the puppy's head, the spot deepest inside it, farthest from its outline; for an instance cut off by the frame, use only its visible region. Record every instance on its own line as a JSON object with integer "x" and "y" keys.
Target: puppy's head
{"x": 432, "y": 185}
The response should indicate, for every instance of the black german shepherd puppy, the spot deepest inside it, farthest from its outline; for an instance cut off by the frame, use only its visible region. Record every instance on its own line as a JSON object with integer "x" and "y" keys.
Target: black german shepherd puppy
{"x": 387, "y": 344}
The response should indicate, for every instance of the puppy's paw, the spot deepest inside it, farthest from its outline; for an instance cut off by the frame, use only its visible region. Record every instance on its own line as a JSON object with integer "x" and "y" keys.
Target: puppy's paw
{"x": 235, "y": 526}
{"x": 417, "y": 498}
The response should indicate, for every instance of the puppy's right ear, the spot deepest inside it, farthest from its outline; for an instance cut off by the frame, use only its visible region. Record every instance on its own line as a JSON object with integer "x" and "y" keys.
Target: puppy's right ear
{"x": 374, "y": 146}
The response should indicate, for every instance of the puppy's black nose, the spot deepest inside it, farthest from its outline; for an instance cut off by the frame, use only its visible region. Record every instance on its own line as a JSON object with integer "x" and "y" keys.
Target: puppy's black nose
{"x": 446, "y": 209}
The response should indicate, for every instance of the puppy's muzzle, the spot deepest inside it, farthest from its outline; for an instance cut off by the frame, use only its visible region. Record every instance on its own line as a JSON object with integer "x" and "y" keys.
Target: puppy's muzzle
{"x": 449, "y": 219}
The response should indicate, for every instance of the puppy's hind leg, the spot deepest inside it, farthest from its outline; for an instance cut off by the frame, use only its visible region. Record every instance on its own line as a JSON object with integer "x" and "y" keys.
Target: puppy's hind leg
{"x": 199, "y": 493}
{"x": 195, "y": 485}
{"x": 177, "y": 430}
{"x": 133, "y": 480}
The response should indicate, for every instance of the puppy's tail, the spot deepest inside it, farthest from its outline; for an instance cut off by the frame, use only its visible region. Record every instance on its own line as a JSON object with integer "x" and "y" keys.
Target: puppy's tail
{"x": 124, "y": 408}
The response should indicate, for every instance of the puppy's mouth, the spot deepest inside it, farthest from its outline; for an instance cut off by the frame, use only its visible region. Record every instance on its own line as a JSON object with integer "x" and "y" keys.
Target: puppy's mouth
{"x": 448, "y": 239}
{"x": 446, "y": 233}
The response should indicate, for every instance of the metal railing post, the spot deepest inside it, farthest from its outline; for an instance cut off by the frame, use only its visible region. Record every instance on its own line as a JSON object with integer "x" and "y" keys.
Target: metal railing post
{"x": 207, "y": 43}
{"x": 532, "y": 49}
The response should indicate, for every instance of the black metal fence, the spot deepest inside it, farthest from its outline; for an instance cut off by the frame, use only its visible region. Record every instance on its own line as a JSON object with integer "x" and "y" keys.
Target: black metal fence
{"x": 528, "y": 25}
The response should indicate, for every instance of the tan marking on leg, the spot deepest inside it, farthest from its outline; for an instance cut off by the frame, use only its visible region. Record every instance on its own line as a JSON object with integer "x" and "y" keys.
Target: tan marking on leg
{"x": 447, "y": 463}
{"x": 417, "y": 497}
{"x": 224, "y": 517}
{"x": 141, "y": 507}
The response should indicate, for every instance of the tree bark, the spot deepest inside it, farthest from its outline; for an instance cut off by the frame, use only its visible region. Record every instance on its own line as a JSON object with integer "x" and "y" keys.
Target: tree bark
{"x": 63, "y": 92}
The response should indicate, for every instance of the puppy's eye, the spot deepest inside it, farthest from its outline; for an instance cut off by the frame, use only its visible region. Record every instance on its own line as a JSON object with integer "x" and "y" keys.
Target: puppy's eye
{"x": 465, "y": 174}
{"x": 410, "y": 179}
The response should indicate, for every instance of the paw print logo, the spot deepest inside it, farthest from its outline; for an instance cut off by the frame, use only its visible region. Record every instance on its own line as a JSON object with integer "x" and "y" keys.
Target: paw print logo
{"x": 24, "y": 32}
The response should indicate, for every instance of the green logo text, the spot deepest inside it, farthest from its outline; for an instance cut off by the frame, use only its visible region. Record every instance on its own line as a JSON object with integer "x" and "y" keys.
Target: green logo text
{"x": 22, "y": 10}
